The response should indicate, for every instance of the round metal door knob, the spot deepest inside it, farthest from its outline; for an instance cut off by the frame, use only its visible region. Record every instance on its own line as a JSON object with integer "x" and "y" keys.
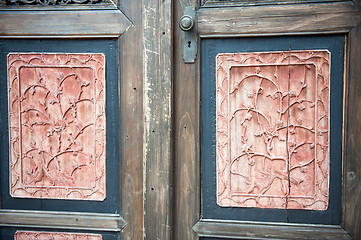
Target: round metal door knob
{"x": 186, "y": 23}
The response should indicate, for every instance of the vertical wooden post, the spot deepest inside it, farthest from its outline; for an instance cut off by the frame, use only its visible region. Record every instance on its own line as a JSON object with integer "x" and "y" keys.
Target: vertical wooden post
{"x": 157, "y": 112}
{"x": 131, "y": 121}
{"x": 186, "y": 134}
{"x": 352, "y": 160}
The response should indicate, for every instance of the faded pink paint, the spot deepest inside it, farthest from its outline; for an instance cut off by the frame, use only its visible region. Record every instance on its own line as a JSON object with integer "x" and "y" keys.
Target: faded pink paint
{"x": 57, "y": 125}
{"x": 26, "y": 235}
{"x": 272, "y": 129}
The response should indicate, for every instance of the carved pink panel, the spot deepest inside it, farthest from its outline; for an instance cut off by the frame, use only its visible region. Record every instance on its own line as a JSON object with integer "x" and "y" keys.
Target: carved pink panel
{"x": 26, "y": 235}
{"x": 57, "y": 125}
{"x": 272, "y": 129}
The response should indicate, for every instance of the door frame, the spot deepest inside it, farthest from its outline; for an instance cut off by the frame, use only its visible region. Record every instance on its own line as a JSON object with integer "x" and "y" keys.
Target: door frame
{"x": 232, "y": 19}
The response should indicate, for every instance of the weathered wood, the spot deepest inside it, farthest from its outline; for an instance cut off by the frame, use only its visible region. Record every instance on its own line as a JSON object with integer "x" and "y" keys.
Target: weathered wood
{"x": 220, "y": 3}
{"x": 57, "y": 220}
{"x": 64, "y": 24}
{"x": 352, "y": 141}
{"x": 278, "y": 19}
{"x": 259, "y": 230}
{"x": 186, "y": 135}
{"x": 157, "y": 111}
{"x": 131, "y": 122}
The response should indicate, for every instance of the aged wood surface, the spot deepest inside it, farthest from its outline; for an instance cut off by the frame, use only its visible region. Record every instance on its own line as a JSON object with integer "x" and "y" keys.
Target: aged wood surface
{"x": 131, "y": 122}
{"x": 157, "y": 112}
{"x": 82, "y": 23}
{"x": 257, "y": 230}
{"x": 278, "y": 19}
{"x": 352, "y": 141}
{"x": 186, "y": 135}
{"x": 57, "y": 220}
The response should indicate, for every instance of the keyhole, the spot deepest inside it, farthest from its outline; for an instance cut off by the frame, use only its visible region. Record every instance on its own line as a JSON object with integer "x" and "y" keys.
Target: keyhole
{"x": 189, "y": 44}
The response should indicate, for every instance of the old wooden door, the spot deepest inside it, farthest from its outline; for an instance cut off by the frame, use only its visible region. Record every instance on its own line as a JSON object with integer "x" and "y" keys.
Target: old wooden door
{"x": 261, "y": 150}
{"x": 70, "y": 115}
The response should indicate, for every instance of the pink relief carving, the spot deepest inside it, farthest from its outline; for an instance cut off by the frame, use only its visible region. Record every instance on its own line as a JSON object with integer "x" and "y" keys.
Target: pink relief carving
{"x": 26, "y": 235}
{"x": 57, "y": 125}
{"x": 272, "y": 129}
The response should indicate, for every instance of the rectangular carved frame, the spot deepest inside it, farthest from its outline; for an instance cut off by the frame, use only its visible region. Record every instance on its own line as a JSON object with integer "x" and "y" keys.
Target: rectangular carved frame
{"x": 236, "y": 19}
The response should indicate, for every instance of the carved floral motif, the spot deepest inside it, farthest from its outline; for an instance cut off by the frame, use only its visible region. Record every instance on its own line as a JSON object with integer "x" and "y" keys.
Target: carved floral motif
{"x": 26, "y": 235}
{"x": 57, "y": 125}
{"x": 53, "y": 2}
{"x": 272, "y": 129}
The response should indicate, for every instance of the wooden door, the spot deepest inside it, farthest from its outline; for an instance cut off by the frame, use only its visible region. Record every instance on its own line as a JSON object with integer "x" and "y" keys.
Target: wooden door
{"x": 82, "y": 179}
{"x": 224, "y": 187}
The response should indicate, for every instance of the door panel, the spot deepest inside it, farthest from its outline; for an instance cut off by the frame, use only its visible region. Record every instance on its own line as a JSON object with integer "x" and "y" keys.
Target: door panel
{"x": 60, "y": 39}
{"x": 244, "y": 26}
{"x": 211, "y": 209}
{"x": 110, "y": 204}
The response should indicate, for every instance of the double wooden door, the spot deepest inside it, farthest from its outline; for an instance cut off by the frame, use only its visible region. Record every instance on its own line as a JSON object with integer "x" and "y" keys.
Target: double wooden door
{"x": 158, "y": 164}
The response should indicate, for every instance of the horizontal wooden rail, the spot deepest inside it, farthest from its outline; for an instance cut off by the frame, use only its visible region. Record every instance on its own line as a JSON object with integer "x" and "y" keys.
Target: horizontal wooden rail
{"x": 263, "y": 230}
{"x": 63, "y": 220}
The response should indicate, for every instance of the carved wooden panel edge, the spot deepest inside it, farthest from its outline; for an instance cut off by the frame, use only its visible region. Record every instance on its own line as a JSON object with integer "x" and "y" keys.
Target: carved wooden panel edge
{"x": 59, "y": 220}
{"x": 57, "y": 125}
{"x": 265, "y": 230}
{"x": 272, "y": 125}
{"x": 35, "y": 235}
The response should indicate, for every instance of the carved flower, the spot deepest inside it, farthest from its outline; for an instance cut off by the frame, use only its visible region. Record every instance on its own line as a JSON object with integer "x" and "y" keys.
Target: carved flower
{"x": 292, "y": 143}
{"x": 279, "y": 123}
{"x": 292, "y": 94}
{"x": 250, "y": 94}
{"x": 59, "y": 125}
{"x": 248, "y": 116}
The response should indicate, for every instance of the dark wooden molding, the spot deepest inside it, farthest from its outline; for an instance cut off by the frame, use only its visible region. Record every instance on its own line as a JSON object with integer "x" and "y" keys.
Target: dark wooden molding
{"x": 288, "y": 19}
{"x": 62, "y": 220}
{"x": 62, "y": 24}
{"x": 157, "y": 114}
{"x": 262, "y": 230}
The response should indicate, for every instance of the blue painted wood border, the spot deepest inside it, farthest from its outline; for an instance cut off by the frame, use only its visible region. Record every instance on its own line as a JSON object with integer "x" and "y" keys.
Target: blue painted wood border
{"x": 110, "y": 48}
{"x": 209, "y": 49}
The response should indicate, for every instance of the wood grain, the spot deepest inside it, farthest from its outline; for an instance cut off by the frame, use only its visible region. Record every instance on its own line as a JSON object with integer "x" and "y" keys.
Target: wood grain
{"x": 259, "y": 230}
{"x": 157, "y": 112}
{"x": 64, "y": 24}
{"x": 61, "y": 220}
{"x": 352, "y": 141}
{"x": 131, "y": 122}
{"x": 186, "y": 135}
{"x": 278, "y": 19}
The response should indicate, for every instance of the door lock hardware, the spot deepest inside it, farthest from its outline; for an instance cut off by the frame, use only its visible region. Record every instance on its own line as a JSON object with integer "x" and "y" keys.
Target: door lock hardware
{"x": 188, "y": 25}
